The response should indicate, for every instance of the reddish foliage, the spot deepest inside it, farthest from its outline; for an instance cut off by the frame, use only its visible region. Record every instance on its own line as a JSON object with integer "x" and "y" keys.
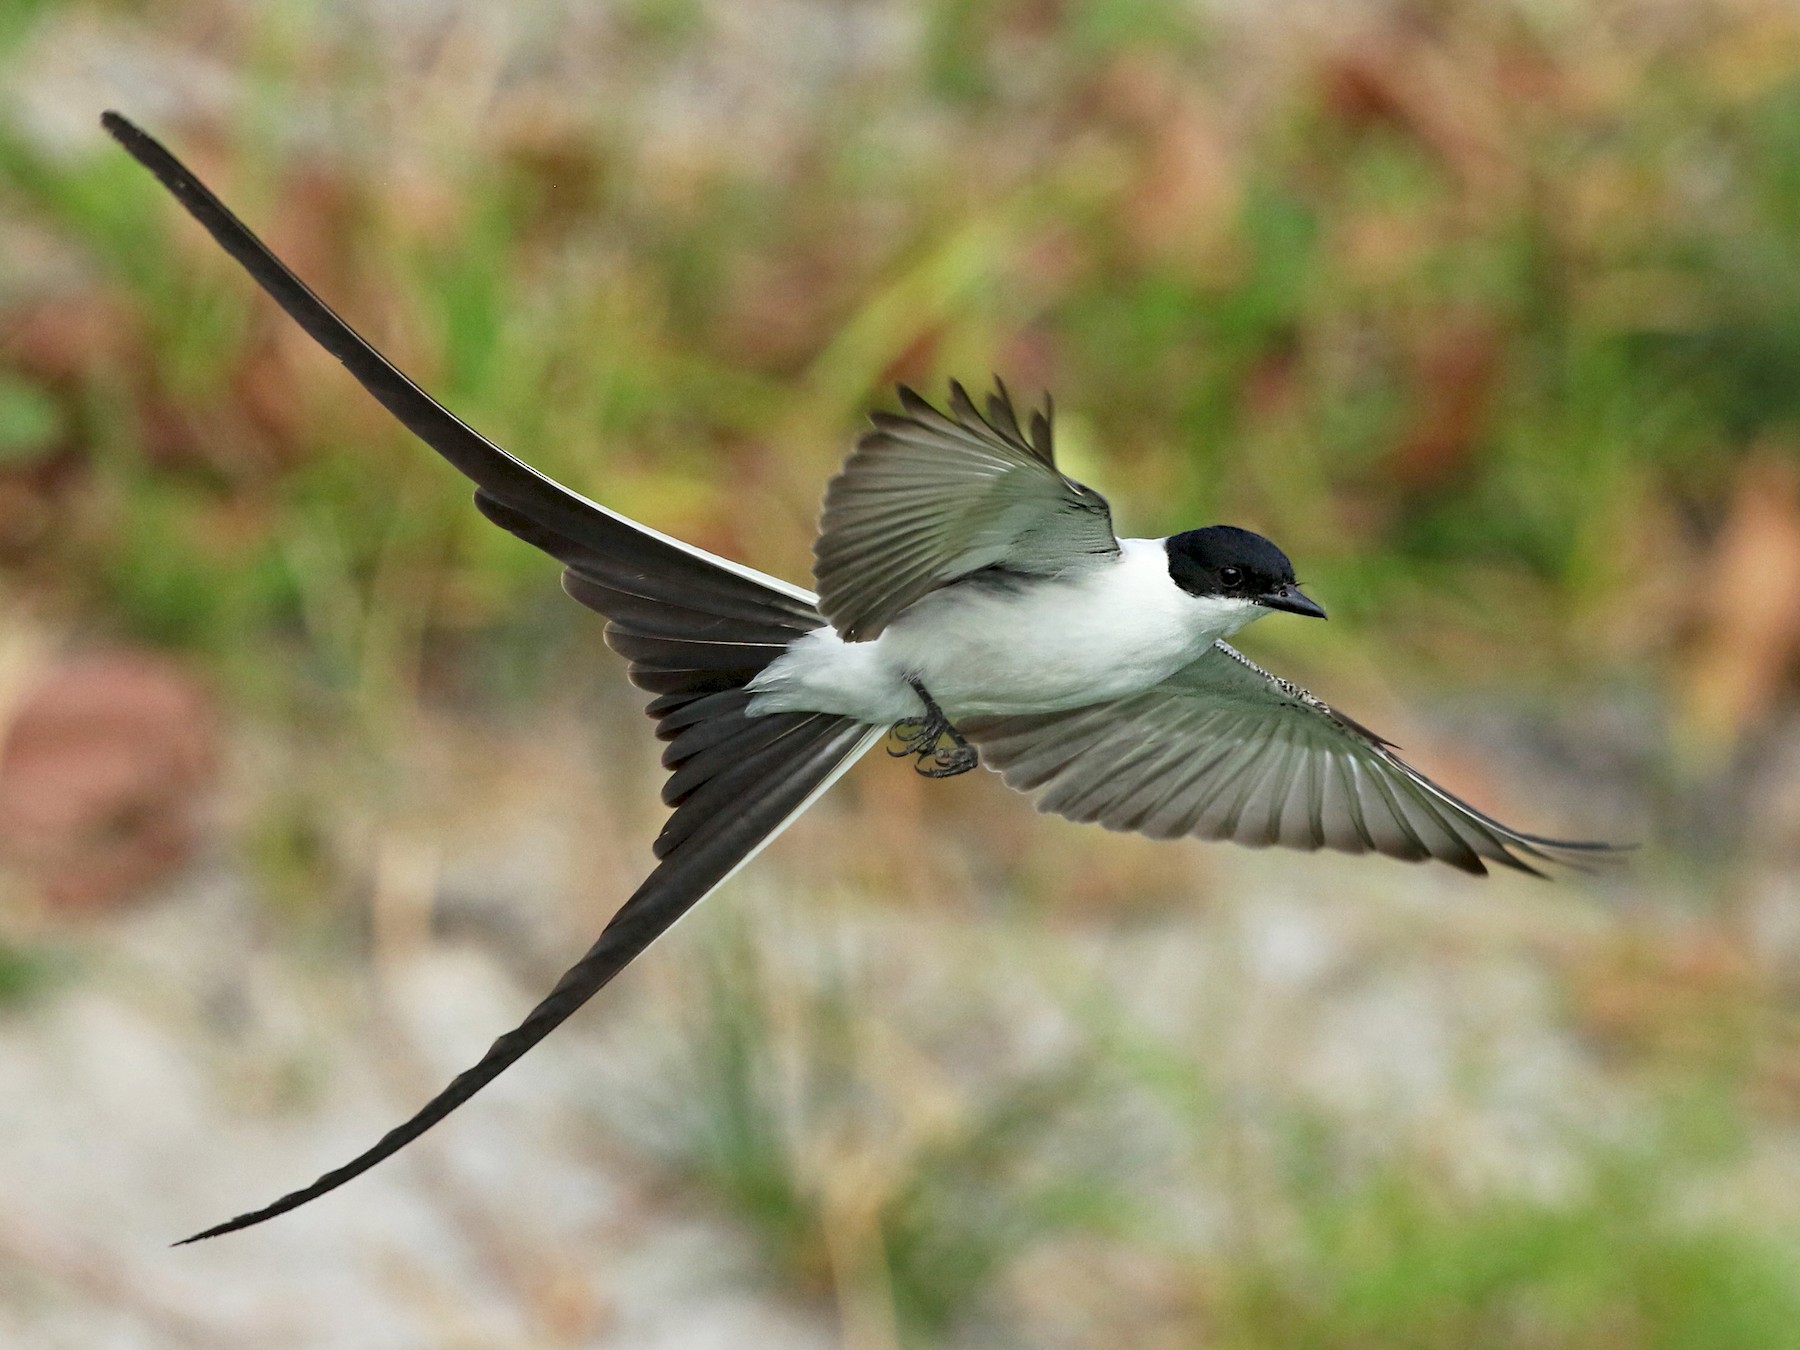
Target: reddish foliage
{"x": 104, "y": 766}
{"x": 1750, "y": 601}
{"x": 1456, "y": 369}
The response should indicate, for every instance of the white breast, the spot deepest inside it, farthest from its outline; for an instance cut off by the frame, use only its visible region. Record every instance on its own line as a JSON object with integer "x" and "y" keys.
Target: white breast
{"x": 1026, "y": 646}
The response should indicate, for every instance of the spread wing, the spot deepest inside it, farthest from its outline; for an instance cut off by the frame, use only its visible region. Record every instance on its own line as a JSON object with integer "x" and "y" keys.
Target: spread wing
{"x": 1222, "y": 749}
{"x": 926, "y": 498}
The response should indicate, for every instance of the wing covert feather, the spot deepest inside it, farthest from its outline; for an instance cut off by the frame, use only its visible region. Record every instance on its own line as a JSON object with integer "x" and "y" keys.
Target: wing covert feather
{"x": 927, "y": 497}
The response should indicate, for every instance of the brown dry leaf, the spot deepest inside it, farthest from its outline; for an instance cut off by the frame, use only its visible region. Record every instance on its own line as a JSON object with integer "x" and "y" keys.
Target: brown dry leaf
{"x": 1455, "y": 370}
{"x": 103, "y": 769}
{"x": 53, "y": 346}
{"x": 1414, "y": 82}
{"x": 1272, "y": 389}
{"x": 1750, "y": 606}
{"x": 1662, "y": 992}
{"x": 1750, "y": 56}
{"x": 66, "y": 336}
{"x": 1694, "y": 996}
{"x": 1183, "y": 198}
{"x": 1186, "y": 200}
{"x": 779, "y": 311}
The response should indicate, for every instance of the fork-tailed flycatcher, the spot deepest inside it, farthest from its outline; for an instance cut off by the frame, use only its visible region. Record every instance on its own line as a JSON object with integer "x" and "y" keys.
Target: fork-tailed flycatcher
{"x": 974, "y": 603}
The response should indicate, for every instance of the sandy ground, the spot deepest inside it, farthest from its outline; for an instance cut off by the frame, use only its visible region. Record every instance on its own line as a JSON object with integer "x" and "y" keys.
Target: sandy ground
{"x": 193, "y": 1063}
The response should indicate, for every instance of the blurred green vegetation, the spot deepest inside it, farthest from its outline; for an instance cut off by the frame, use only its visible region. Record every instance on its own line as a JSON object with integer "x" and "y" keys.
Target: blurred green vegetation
{"x": 908, "y": 1167}
{"x": 1394, "y": 1263}
{"x": 1487, "y": 313}
{"x": 797, "y": 1108}
{"x": 1479, "y": 330}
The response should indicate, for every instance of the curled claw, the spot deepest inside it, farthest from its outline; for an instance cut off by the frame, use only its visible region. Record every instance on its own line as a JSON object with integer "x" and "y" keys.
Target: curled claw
{"x": 946, "y": 761}
{"x": 908, "y": 738}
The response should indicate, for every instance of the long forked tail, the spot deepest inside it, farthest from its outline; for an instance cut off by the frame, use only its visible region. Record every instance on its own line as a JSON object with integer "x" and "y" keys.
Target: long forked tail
{"x": 769, "y": 788}
{"x": 695, "y": 627}
{"x": 736, "y": 782}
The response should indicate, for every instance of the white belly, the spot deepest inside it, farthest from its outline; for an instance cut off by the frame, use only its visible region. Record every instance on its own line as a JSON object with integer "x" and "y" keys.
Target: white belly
{"x": 1033, "y": 646}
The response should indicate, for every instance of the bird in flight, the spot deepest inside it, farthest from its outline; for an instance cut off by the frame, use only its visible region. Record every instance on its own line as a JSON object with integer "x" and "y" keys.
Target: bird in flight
{"x": 974, "y": 604}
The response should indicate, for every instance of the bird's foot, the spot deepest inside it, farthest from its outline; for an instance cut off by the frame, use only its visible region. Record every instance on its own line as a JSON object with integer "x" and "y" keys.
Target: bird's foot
{"x": 941, "y": 750}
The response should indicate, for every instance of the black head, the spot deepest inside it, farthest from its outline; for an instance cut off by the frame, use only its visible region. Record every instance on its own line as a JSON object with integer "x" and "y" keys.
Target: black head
{"x": 1224, "y": 561}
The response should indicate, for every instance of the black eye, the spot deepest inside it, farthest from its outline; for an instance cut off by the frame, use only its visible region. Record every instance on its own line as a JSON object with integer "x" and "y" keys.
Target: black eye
{"x": 1231, "y": 576}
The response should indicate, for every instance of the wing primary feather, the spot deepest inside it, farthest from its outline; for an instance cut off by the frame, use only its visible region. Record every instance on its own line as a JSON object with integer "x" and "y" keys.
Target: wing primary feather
{"x": 1000, "y": 414}
{"x": 1349, "y": 778}
{"x": 1043, "y": 431}
{"x": 1251, "y": 772}
{"x": 1193, "y": 795}
{"x": 1279, "y": 783}
{"x": 1144, "y": 772}
{"x": 1225, "y": 792}
{"x": 1165, "y": 812}
{"x": 1314, "y": 798}
{"x": 1407, "y": 845}
{"x": 1225, "y": 750}
{"x": 1160, "y": 780}
{"x": 1455, "y": 848}
{"x": 962, "y": 406}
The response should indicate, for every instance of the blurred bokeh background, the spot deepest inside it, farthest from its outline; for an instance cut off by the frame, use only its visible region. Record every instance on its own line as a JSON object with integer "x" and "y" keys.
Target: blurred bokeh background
{"x": 1488, "y": 312}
